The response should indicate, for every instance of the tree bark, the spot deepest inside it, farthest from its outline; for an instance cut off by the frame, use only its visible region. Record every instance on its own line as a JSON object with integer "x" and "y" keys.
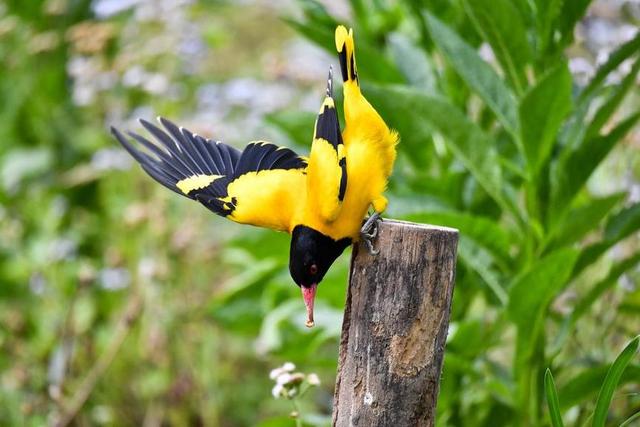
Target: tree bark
{"x": 395, "y": 326}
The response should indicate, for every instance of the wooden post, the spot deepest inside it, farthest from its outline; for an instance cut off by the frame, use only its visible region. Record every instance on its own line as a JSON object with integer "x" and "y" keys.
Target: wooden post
{"x": 395, "y": 326}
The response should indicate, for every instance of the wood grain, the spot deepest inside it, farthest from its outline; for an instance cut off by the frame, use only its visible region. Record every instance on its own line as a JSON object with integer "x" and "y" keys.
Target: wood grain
{"x": 395, "y": 326}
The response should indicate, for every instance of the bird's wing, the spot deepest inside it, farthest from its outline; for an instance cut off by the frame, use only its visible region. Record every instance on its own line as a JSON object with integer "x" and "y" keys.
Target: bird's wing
{"x": 259, "y": 186}
{"x": 327, "y": 171}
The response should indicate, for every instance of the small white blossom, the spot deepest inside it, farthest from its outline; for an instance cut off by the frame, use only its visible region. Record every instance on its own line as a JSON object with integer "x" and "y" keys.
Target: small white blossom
{"x": 313, "y": 379}
{"x": 275, "y": 373}
{"x": 277, "y": 390}
{"x": 284, "y": 378}
{"x": 287, "y": 367}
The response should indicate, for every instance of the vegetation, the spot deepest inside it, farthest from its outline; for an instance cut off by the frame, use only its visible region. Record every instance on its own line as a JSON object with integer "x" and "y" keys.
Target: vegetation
{"x": 124, "y": 304}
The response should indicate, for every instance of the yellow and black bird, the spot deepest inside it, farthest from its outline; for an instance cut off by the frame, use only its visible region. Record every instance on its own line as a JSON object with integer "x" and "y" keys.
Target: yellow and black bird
{"x": 320, "y": 200}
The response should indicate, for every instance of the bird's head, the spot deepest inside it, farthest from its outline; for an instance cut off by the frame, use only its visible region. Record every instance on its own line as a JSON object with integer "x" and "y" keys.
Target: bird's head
{"x": 311, "y": 255}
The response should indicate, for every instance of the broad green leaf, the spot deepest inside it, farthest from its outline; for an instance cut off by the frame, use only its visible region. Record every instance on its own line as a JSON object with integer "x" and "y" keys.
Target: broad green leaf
{"x": 575, "y": 129}
{"x": 586, "y": 384}
{"x": 501, "y": 25}
{"x": 542, "y": 111}
{"x": 529, "y": 298}
{"x": 413, "y": 63}
{"x": 478, "y": 260}
{"x": 623, "y": 223}
{"x": 403, "y": 107}
{"x": 552, "y": 399}
{"x": 476, "y": 73}
{"x": 531, "y": 293}
{"x": 582, "y": 219}
{"x": 625, "y": 51}
{"x": 610, "y": 105}
{"x": 571, "y": 171}
{"x": 546, "y": 13}
{"x": 611, "y": 382}
{"x": 618, "y": 227}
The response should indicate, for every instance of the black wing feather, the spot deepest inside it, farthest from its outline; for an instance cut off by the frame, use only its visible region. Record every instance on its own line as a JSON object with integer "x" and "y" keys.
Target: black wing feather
{"x": 180, "y": 155}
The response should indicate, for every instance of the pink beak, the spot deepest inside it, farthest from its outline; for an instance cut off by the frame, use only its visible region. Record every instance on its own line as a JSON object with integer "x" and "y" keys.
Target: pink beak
{"x": 309, "y": 295}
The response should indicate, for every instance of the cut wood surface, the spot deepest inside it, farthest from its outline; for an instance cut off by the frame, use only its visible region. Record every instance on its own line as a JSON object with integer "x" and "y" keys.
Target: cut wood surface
{"x": 395, "y": 326}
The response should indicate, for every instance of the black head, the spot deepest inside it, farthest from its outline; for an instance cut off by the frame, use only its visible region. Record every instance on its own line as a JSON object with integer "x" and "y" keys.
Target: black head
{"x": 311, "y": 255}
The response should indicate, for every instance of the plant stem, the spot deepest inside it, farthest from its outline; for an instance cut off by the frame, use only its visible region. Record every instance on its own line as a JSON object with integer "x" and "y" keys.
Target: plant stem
{"x": 125, "y": 323}
{"x": 296, "y": 408}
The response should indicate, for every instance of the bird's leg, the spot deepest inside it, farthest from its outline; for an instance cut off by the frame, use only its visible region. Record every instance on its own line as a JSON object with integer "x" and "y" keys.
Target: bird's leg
{"x": 369, "y": 231}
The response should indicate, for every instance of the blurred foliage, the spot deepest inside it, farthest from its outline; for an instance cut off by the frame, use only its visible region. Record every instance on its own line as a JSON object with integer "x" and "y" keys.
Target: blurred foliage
{"x": 163, "y": 313}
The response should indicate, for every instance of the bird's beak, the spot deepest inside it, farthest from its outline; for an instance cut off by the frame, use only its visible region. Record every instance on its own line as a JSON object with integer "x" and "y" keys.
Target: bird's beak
{"x": 309, "y": 295}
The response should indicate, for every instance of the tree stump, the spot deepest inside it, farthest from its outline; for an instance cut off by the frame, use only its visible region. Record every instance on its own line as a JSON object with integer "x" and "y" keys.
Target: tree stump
{"x": 395, "y": 326}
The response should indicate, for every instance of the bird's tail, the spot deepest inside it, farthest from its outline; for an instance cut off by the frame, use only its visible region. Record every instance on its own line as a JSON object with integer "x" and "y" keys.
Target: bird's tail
{"x": 347, "y": 54}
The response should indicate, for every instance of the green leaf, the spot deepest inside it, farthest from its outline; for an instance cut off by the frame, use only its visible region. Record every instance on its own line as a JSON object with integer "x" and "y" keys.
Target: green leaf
{"x": 586, "y": 384}
{"x": 625, "y": 51}
{"x": 476, "y": 73}
{"x": 618, "y": 227}
{"x": 532, "y": 292}
{"x": 501, "y": 25}
{"x": 572, "y": 11}
{"x": 623, "y": 223}
{"x": 478, "y": 260}
{"x": 572, "y": 170}
{"x": 552, "y": 400}
{"x": 610, "y": 105}
{"x": 581, "y": 220}
{"x": 628, "y": 422}
{"x": 542, "y": 111}
{"x": 611, "y": 382}
{"x": 405, "y": 109}
{"x": 413, "y": 63}
{"x": 546, "y": 13}
{"x": 585, "y": 303}
{"x": 529, "y": 298}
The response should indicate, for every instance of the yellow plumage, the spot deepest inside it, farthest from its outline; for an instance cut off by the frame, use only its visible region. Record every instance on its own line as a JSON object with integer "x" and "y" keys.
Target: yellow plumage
{"x": 369, "y": 147}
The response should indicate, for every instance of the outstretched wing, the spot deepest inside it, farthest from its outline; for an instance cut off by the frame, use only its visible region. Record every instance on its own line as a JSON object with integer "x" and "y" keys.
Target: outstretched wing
{"x": 327, "y": 171}
{"x": 259, "y": 186}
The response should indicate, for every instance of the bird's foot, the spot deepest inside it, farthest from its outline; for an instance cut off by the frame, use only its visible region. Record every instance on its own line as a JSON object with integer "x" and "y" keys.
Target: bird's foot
{"x": 369, "y": 232}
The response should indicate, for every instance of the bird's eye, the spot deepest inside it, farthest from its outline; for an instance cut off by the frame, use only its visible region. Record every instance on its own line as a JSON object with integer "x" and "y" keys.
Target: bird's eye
{"x": 313, "y": 269}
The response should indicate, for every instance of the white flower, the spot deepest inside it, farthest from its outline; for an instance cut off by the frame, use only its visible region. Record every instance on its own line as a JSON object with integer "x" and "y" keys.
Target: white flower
{"x": 313, "y": 379}
{"x": 287, "y": 367}
{"x": 284, "y": 378}
{"x": 275, "y": 373}
{"x": 277, "y": 390}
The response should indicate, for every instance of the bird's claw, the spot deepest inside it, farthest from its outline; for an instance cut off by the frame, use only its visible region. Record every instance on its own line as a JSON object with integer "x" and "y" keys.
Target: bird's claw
{"x": 369, "y": 232}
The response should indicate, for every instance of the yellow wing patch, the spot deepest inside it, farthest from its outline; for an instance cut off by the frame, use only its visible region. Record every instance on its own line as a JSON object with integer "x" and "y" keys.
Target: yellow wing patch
{"x": 196, "y": 182}
{"x": 328, "y": 102}
{"x": 324, "y": 175}
{"x": 267, "y": 198}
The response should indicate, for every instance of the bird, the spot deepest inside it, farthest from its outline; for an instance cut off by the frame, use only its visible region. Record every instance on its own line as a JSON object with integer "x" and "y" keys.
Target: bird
{"x": 321, "y": 200}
